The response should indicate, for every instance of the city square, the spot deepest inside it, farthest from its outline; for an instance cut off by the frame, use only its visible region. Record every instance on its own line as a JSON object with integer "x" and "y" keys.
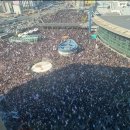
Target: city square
{"x": 65, "y": 80}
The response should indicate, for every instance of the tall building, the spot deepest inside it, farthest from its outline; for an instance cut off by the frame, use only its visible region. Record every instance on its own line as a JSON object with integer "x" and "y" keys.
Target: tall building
{"x": 6, "y": 7}
{"x": 31, "y": 4}
{"x": 1, "y": 8}
{"x": 18, "y": 6}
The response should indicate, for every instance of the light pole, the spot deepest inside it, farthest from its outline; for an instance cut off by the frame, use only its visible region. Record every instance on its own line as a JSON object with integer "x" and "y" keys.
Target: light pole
{"x": 89, "y": 19}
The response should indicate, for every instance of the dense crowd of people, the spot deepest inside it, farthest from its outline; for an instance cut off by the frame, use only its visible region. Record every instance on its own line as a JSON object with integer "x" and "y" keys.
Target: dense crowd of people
{"x": 65, "y": 16}
{"x": 84, "y": 91}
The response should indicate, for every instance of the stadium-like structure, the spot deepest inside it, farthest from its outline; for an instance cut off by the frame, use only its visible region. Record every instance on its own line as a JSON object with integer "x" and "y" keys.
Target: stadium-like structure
{"x": 115, "y": 32}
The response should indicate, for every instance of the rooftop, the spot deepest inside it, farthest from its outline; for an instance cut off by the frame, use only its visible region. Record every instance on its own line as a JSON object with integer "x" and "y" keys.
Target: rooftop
{"x": 122, "y": 21}
{"x": 113, "y": 23}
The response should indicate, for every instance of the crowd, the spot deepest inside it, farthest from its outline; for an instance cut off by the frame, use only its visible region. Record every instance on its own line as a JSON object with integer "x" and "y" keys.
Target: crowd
{"x": 64, "y": 16}
{"x": 84, "y": 91}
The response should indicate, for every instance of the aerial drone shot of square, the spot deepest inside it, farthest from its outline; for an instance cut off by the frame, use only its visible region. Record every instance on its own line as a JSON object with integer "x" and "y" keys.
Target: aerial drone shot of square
{"x": 64, "y": 65}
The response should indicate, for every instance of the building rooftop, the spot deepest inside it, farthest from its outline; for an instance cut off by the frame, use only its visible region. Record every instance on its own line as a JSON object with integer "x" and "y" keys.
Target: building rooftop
{"x": 118, "y": 26}
{"x": 122, "y": 21}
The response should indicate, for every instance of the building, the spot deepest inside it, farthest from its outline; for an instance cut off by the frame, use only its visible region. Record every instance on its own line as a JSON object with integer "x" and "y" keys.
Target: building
{"x": 18, "y": 6}
{"x": 114, "y": 31}
{"x": 120, "y": 3}
{"x": 1, "y": 8}
{"x": 103, "y": 4}
{"x": 21, "y": 6}
{"x": 83, "y": 3}
{"x": 6, "y": 7}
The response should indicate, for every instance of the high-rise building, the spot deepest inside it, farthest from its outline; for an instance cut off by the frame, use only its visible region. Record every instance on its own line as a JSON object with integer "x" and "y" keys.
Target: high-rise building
{"x": 18, "y": 6}
{"x": 6, "y": 6}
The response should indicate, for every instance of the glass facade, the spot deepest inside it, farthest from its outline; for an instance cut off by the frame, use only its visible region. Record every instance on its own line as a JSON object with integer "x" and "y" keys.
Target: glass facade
{"x": 117, "y": 42}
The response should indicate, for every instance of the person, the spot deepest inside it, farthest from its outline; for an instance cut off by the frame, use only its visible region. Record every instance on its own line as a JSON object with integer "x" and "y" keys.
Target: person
{"x": 65, "y": 37}
{"x": 96, "y": 46}
{"x": 25, "y": 127}
{"x": 2, "y": 126}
